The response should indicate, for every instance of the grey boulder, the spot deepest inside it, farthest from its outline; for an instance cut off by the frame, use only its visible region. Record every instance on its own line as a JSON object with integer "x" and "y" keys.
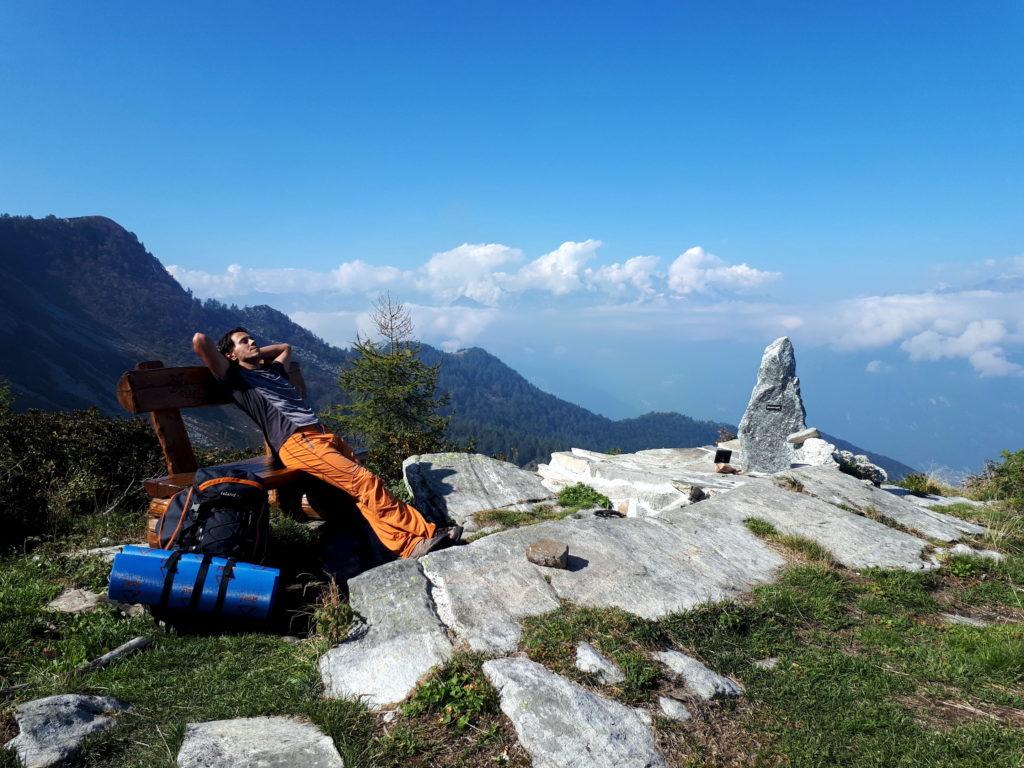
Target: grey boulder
{"x": 563, "y": 725}
{"x": 402, "y": 641}
{"x": 775, "y": 411}
{"x": 458, "y": 485}
{"x": 590, "y": 660}
{"x": 673, "y": 709}
{"x": 52, "y": 729}
{"x": 699, "y": 680}
{"x": 257, "y": 742}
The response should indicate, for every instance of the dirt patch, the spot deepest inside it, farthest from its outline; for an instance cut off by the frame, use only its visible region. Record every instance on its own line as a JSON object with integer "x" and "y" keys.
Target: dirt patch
{"x": 945, "y": 713}
{"x": 722, "y": 735}
{"x": 422, "y": 741}
{"x": 8, "y": 727}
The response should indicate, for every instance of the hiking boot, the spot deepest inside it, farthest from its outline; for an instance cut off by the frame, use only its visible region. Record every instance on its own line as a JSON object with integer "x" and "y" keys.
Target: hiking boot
{"x": 443, "y": 538}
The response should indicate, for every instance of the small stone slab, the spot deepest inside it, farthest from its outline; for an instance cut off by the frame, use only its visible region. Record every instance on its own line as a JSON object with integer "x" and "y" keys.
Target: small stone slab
{"x": 52, "y": 729}
{"x": 403, "y": 640}
{"x": 673, "y": 708}
{"x": 257, "y": 742}
{"x": 700, "y": 680}
{"x": 548, "y": 553}
{"x": 835, "y": 487}
{"x": 798, "y": 438}
{"x": 988, "y": 554}
{"x": 774, "y": 412}
{"x": 590, "y": 660}
{"x": 563, "y": 725}
{"x": 965, "y": 621}
{"x": 458, "y": 485}
{"x": 75, "y": 601}
{"x": 770, "y": 663}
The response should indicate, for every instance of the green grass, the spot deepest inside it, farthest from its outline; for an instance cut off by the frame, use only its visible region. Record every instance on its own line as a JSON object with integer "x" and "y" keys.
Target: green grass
{"x": 510, "y": 518}
{"x": 798, "y": 545}
{"x": 869, "y": 674}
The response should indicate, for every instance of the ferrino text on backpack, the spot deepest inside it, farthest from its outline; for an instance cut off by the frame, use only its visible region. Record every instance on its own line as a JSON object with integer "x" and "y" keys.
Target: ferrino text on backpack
{"x": 223, "y": 513}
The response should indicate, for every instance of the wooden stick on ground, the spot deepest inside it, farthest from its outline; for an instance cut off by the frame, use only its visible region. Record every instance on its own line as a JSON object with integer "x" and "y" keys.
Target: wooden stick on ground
{"x": 136, "y": 644}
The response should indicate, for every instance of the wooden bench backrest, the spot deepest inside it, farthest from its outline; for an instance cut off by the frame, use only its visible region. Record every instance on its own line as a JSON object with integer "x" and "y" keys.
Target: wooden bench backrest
{"x": 163, "y": 392}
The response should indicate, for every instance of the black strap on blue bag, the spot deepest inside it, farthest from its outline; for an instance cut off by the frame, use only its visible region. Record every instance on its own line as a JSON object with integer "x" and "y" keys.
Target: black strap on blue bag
{"x": 172, "y": 569}
{"x": 226, "y": 575}
{"x": 197, "y": 588}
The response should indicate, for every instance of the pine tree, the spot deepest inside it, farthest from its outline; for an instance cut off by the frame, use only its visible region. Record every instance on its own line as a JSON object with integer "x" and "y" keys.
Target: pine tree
{"x": 394, "y": 401}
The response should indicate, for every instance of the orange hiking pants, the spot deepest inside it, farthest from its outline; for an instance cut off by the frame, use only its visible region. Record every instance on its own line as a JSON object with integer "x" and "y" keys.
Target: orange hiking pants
{"x": 398, "y": 525}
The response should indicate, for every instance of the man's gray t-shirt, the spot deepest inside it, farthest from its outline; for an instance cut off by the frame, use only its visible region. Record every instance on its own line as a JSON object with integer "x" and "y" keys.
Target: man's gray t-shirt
{"x": 270, "y": 400}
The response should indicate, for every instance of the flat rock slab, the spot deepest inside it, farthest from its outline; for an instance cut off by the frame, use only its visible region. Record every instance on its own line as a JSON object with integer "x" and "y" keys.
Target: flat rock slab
{"x": 257, "y": 742}
{"x": 590, "y": 660}
{"x": 52, "y": 729}
{"x": 458, "y": 485}
{"x": 699, "y": 680}
{"x": 563, "y": 725}
{"x": 75, "y": 601}
{"x": 642, "y": 483}
{"x": 647, "y": 566}
{"x": 402, "y": 641}
{"x": 836, "y": 487}
{"x": 853, "y": 540}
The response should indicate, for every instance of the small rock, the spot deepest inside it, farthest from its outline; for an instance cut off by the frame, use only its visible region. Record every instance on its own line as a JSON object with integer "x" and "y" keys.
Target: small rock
{"x": 548, "y": 553}
{"x": 698, "y": 678}
{"x": 673, "y": 708}
{"x": 52, "y": 729}
{"x": 589, "y": 659}
{"x": 860, "y": 466}
{"x": 769, "y": 663}
{"x": 966, "y": 621}
{"x": 815, "y": 452}
{"x": 390, "y": 716}
{"x": 988, "y": 554}
{"x": 798, "y": 438}
{"x": 696, "y": 494}
{"x": 257, "y": 742}
{"x": 75, "y": 601}
{"x": 107, "y": 553}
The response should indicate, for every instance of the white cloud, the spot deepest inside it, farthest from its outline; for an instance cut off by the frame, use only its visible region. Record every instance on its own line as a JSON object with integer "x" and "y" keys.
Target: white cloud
{"x": 638, "y": 273}
{"x": 557, "y": 272}
{"x": 469, "y": 270}
{"x": 975, "y": 326}
{"x": 349, "y": 277}
{"x": 450, "y": 328}
{"x": 697, "y": 271}
{"x": 877, "y": 366}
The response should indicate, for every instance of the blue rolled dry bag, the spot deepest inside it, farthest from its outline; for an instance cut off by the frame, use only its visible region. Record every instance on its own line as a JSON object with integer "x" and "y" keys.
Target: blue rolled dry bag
{"x": 192, "y": 583}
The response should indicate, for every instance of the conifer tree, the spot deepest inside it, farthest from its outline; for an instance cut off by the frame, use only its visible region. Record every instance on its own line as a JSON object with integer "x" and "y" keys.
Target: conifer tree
{"x": 394, "y": 401}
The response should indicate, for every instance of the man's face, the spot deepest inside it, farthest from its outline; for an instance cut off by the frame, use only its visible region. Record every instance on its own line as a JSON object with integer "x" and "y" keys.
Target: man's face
{"x": 245, "y": 349}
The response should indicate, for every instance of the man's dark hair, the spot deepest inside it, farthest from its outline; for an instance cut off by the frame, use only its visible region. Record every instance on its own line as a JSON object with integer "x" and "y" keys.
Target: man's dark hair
{"x": 226, "y": 344}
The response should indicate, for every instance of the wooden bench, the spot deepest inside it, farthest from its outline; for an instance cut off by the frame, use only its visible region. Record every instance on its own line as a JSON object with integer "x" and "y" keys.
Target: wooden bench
{"x": 162, "y": 393}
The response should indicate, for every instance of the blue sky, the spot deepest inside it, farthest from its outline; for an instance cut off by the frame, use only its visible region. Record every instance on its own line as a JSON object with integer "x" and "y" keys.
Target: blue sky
{"x": 625, "y": 202}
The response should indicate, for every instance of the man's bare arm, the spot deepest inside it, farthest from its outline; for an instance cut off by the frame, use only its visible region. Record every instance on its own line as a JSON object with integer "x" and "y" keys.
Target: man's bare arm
{"x": 210, "y": 355}
{"x": 277, "y": 353}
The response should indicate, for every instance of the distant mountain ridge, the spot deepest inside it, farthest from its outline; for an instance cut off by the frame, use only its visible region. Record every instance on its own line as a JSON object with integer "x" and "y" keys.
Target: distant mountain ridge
{"x": 84, "y": 301}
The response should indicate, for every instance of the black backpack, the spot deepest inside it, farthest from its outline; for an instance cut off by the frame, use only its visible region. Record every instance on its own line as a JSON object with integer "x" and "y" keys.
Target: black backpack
{"x": 223, "y": 513}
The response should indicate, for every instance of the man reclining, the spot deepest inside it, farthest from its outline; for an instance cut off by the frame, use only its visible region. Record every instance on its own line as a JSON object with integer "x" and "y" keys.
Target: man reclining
{"x": 258, "y": 379}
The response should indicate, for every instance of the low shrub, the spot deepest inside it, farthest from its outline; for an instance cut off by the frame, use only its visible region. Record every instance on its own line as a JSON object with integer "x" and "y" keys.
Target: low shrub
{"x": 920, "y": 484}
{"x": 1000, "y": 480}
{"x": 582, "y": 496}
{"x": 57, "y": 468}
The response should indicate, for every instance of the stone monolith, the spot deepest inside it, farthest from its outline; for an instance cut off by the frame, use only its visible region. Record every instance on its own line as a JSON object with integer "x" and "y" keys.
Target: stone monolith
{"x": 775, "y": 411}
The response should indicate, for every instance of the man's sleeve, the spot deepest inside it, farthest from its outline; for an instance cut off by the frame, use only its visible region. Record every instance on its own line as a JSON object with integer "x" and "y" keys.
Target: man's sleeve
{"x": 279, "y": 368}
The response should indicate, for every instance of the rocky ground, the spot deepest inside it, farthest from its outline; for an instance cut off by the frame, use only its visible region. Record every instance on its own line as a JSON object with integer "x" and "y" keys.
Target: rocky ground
{"x": 678, "y": 537}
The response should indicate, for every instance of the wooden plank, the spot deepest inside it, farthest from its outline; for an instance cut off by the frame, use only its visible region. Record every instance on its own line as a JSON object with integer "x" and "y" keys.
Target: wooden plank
{"x": 153, "y": 388}
{"x": 273, "y": 476}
